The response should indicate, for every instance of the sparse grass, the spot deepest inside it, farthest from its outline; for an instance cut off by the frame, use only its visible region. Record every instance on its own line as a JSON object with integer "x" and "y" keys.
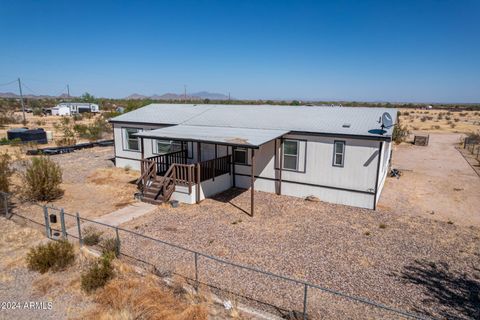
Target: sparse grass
{"x": 382, "y": 226}
{"x": 110, "y": 246}
{"x": 5, "y": 173}
{"x": 367, "y": 233}
{"x": 450, "y": 222}
{"x": 145, "y": 298}
{"x": 98, "y": 274}
{"x": 54, "y": 256}
{"x": 91, "y": 236}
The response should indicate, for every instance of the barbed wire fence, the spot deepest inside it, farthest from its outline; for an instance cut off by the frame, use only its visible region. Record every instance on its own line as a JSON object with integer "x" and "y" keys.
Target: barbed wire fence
{"x": 274, "y": 293}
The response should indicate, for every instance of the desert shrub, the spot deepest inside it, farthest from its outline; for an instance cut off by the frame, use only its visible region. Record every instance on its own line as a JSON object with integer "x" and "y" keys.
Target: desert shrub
{"x": 429, "y": 118}
{"x": 382, "y": 226}
{"x": 473, "y": 138}
{"x": 5, "y": 172}
{"x": 423, "y": 119}
{"x": 54, "y": 256}
{"x": 68, "y": 135}
{"x": 400, "y": 133}
{"x": 456, "y": 119}
{"x": 98, "y": 274}
{"x": 110, "y": 246}
{"x": 40, "y": 123}
{"x": 93, "y": 131}
{"x": 452, "y": 125}
{"x": 77, "y": 117}
{"x": 37, "y": 111}
{"x": 91, "y": 236}
{"x": 406, "y": 113}
{"x": 463, "y": 114}
{"x": 435, "y": 127}
{"x": 42, "y": 179}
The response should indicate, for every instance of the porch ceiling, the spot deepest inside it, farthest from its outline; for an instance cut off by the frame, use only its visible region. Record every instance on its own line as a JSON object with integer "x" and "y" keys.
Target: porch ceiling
{"x": 241, "y": 137}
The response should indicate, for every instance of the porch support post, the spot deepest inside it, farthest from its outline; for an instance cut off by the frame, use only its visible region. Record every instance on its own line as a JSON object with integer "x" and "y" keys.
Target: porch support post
{"x": 197, "y": 190}
{"x": 233, "y": 167}
{"x": 280, "y": 167}
{"x": 252, "y": 182}
{"x": 142, "y": 169}
{"x": 199, "y": 155}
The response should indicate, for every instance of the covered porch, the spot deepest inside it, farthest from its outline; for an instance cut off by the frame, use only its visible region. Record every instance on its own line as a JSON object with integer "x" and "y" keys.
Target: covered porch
{"x": 205, "y": 163}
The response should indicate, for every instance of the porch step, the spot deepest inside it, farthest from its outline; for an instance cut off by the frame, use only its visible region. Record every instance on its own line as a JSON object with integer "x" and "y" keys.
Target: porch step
{"x": 157, "y": 202}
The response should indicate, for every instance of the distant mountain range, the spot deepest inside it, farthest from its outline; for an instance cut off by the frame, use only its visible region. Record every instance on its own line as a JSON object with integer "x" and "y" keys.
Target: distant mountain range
{"x": 166, "y": 96}
{"x": 175, "y": 96}
{"x": 30, "y": 96}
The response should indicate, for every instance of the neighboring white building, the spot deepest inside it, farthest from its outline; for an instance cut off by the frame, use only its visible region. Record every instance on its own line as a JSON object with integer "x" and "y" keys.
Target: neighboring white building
{"x": 337, "y": 154}
{"x": 61, "y": 110}
{"x": 74, "y": 108}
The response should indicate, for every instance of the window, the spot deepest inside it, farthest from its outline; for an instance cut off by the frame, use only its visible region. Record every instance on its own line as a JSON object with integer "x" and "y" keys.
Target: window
{"x": 338, "y": 153}
{"x": 240, "y": 155}
{"x": 167, "y": 146}
{"x": 132, "y": 142}
{"x": 290, "y": 154}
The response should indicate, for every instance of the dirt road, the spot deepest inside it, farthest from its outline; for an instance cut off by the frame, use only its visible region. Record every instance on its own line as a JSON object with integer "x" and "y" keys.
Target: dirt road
{"x": 436, "y": 182}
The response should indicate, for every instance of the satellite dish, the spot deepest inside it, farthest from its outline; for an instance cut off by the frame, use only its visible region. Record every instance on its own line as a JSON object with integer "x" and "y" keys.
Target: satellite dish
{"x": 387, "y": 120}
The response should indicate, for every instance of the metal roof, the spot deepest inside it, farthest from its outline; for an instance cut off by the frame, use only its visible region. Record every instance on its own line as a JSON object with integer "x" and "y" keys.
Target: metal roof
{"x": 361, "y": 121}
{"x": 252, "y": 138}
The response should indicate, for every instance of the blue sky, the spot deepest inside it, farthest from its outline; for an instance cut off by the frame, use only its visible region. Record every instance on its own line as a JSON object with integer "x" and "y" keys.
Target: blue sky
{"x": 417, "y": 50}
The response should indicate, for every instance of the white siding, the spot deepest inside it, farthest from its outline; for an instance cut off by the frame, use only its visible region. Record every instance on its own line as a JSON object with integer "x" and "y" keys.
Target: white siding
{"x": 352, "y": 184}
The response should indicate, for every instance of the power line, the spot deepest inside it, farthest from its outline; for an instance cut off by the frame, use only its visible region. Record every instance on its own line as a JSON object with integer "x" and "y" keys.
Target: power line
{"x": 7, "y": 83}
{"x": 24, "y": 85}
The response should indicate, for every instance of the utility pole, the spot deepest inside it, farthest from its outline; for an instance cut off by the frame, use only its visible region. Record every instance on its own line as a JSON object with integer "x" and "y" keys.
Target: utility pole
{"x": 229, "y": 96}
{"x": 21, "y": 99}
{"x": 185, "y": 92}
{"x": 68, "y": 91}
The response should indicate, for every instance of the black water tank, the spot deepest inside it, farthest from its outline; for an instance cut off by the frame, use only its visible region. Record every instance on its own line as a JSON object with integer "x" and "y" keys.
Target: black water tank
{"x": 28, "y": 135}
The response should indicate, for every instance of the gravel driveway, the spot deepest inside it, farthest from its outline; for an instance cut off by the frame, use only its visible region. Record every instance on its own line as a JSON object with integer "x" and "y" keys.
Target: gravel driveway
{"x": 412, "y": 263}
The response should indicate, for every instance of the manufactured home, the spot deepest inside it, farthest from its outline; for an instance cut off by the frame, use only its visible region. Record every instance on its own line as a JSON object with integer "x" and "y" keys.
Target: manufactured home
{"x": 187, "y": 152}
{"x": 69, "y": 108}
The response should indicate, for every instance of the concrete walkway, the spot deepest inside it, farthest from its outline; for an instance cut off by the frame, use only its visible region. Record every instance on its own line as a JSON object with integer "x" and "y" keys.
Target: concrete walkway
{"x": 119, "y": 216}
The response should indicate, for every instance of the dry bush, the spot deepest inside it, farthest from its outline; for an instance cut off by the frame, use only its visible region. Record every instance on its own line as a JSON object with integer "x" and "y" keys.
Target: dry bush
{"x": 144, "y": 298}
{"x": 110, "y": 246}
{"x": 400, "y": 133}
{"x": 42, "y": 179}
{"x": 54, "y": 256}
{"x": 98, "y": 274}
{"x": 5, "y": 172}
{"x": 91, "y": 236}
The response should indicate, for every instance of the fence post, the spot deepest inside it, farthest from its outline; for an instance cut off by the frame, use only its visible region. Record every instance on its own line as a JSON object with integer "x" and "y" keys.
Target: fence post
{"x": 117, "y": 247}
{"x": 62, "y": 223}
{"x": 79, "y": 230}
{"x": 47, "y": 223}
{"x": 196, "y": 271}
{"x": 305, "y": 302}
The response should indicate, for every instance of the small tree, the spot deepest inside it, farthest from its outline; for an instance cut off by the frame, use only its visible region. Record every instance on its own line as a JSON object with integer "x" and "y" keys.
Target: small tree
{"x": 42, "y": 179}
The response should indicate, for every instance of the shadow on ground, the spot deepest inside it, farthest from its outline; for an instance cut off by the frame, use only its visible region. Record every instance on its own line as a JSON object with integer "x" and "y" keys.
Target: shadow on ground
{"x": 452, "y": 295}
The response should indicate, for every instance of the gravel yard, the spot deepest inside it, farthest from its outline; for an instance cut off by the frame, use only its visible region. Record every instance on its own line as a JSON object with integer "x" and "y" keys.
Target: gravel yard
{"x": 409, "y": 262}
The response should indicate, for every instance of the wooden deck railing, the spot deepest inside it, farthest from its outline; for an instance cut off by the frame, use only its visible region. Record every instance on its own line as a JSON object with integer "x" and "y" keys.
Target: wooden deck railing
{"x": 148, "y": 171}
{"x": 164, "y": 161}
{"x": 215, "y": 167}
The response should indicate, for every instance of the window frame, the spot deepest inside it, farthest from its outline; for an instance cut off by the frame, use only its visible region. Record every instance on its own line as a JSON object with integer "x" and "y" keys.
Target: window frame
{"x": 245, "y": 150}
{"x": 125, "y": 139}
{"x": 172, "y": 142}
{"x": 334, "y": 163}
{"x": 297, "y": 155}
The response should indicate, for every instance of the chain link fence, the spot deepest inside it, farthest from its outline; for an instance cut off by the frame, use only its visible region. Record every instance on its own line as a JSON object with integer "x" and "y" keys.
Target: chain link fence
{"x": 284, "y": 296}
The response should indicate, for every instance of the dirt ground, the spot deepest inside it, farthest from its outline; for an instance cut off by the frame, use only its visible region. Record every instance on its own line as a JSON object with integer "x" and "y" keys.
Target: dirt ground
{"x": 45, "y": 122}
{"x": 436, "y": 182}
{"x": 18, "y": 284}
{"x": 91, "y": 183}
{"x": 440, "y": 120}
{"x": 130, "y": 295}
